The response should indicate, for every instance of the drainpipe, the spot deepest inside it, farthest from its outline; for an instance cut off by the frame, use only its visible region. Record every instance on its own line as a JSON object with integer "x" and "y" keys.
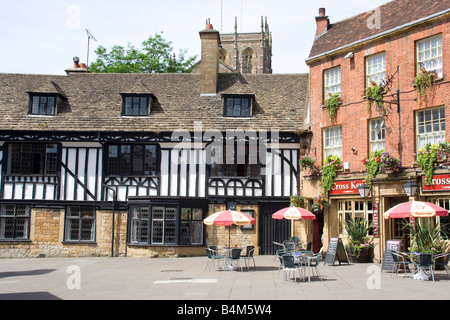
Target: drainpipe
{"x": 112, "y": 226}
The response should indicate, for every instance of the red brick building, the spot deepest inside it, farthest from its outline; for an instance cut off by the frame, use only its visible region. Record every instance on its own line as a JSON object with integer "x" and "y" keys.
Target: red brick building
{"x": 388, "y": 46}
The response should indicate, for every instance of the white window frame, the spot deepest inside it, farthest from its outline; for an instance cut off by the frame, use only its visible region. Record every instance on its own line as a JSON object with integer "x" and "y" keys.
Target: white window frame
{"x": 377, "y": 135}
{"x": 354, "y": 208}
{"x": 332, "y": 142}
{"x": 332, "y": 81}
{"x": 429, "y": 54}
{"x": 376, "y": 69}
{"x": 430, "y": 123}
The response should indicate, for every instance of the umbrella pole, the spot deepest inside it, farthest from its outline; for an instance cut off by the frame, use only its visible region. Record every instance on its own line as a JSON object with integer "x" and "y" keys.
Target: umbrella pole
{"x": 229, "y": 237}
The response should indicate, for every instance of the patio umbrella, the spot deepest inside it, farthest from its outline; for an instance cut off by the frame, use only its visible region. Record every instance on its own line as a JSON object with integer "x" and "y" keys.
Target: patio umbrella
{"x": 228, "y": 218}
{"x": 417, "y": 209}
{"x": 293, "y": 213}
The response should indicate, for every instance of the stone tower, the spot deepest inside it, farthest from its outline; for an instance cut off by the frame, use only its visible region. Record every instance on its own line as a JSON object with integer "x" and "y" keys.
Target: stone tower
{"x": 248, "y": 52}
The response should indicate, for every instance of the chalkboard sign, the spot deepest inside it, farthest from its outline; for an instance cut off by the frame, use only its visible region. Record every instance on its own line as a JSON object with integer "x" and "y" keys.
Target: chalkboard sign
{"x": 335, "y": 251}
{"x": 388, "y": 261}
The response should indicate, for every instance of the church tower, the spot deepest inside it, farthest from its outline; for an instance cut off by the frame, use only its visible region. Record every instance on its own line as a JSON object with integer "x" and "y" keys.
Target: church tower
{"x": 248, "y": 52}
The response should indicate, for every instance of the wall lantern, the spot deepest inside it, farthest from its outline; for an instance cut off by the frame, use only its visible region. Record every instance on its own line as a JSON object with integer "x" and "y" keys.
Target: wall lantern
{"x": 364, "y": 190}
{"x": 410, "y": 188}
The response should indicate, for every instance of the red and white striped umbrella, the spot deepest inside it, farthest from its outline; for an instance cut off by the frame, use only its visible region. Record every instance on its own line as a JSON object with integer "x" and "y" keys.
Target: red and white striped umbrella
{"x": 229, "y": 217}
{"x": 418, "y": 209}
{"x": 293, "y": 213}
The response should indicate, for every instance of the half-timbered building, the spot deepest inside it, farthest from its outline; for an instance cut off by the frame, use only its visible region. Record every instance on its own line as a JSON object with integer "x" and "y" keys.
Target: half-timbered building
{"x": 131, "y": 164}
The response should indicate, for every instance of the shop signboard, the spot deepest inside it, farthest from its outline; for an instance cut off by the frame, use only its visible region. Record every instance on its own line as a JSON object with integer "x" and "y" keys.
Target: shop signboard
{"x": 345, "y": 187}
{"x": 441, "y": 182}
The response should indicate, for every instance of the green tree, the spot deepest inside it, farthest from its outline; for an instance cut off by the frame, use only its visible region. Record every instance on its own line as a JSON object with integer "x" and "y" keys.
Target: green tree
{"x": 155, "y": 56}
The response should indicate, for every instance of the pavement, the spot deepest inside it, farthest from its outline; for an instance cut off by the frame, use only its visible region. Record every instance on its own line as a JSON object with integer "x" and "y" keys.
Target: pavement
{"x": 185, "y": 279}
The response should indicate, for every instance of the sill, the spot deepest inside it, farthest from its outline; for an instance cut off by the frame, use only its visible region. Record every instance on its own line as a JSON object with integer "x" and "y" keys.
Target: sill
{"x": 163, "y": 245}
{"x": 15, "y": 240}
{"x": 79, "y": 242}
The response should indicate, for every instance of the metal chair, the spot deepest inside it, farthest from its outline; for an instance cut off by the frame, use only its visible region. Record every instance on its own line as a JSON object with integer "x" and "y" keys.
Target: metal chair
{"x": 444, "y": 263}
{"x": 314, "y": 264}
{"x": 399, "y": 259}
{"x": 249, "y": 255}
{"x": 424, "y": 261}
{"x": 213, "y": 255}
{"x": 290, "y": 265}
{"x": 236, "y": 256}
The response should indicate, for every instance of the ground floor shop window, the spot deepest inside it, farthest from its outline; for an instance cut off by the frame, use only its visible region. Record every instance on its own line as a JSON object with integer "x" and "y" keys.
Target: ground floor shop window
{"x": 165, "y": 225}
{"x": 14, "y": 222}
{"x": 356, "y": 209}
{"x": 80, "y": 223}
{"x": 444, "y": 221}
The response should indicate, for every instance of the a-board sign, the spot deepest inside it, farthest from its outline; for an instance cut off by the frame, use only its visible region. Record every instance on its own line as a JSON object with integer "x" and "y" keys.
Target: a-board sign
{"x": 335, "y": 251}
{"x": 388, "y": 261}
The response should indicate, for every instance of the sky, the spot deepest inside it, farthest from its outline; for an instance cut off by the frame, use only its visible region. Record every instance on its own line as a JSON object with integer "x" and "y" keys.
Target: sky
{"x": 43, "y": 36}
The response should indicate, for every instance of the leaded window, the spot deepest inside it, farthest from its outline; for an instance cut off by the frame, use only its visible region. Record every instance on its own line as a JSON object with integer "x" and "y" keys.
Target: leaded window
{"x": 132, "y": 160}
{"x": 135, "y": 105}
{"x": 191, "y": 231}
{"x": 80, "y": 223}
{"x": 43, "y": 104}
{"x": 168, "y": 225}
{"x": 238, "y": 106}
{"x": 14, "y": 222}
{"x": 33, "y": 159}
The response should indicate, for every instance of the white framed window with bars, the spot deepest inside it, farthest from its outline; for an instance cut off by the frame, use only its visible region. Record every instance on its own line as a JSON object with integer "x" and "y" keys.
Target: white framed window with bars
{"x": 80, "y": 223}
{"x": 377, "y": 135}
{"x": 444, "y": 221}
{"x": 430, "y": 127}
{"x": 332, "y": 142}
{"x": 355, "y": 209}
{"x": 332, "y": 82}
{"x": 429, "y": 54}
{"x": 376, "y": 69}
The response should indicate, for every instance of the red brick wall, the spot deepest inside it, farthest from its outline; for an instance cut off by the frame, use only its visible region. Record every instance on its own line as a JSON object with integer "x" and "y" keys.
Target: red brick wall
{"x": 353, "y": 115}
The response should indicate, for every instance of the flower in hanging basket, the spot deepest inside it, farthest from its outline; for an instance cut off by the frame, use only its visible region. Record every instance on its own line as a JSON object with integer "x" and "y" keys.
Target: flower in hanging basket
{"x": 306, "y": 162}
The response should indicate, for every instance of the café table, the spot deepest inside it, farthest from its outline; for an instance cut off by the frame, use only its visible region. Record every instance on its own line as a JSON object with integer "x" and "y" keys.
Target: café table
{"x": 229, "y": 265}
{"x": 421, "y": 261}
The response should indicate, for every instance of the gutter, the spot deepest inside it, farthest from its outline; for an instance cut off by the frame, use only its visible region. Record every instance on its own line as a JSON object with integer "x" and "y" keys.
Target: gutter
{"x": 411, "y": 24}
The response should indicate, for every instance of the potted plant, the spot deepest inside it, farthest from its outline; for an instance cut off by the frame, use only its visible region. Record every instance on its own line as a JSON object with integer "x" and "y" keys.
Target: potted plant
{"x": 428, "y": 156}
{"x": 380, "y": 162}
{"x": 329, "y": 171}
{"x": 332, "y": 105}
{"x": 320, "y": 202}
{"x": 297, "y": 201}
{"x": 424, "y": 81}
{"x": 425, "y": 237}
{"x": 306, "y": 162}
{"x": 358, "y": 248}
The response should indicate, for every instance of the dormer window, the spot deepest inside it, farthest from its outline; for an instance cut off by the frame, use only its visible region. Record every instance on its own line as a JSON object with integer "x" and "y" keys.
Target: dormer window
{"x": 135, "y": 105}
{"x": 238, "y": 106}
{"x": 43, "y": 104}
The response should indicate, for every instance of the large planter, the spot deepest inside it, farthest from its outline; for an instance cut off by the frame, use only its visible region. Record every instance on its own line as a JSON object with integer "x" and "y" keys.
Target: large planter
{"x": 363, "y": 256}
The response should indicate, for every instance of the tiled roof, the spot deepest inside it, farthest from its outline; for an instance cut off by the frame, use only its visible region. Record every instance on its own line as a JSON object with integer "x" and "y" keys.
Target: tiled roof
{"x": 392, "y": 15}
{"x": 94, "y": 102}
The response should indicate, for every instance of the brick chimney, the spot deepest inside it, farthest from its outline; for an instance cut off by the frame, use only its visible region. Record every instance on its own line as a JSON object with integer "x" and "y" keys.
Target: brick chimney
{"x": 322, "y": 22}
{"x": 209, "y": 66}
